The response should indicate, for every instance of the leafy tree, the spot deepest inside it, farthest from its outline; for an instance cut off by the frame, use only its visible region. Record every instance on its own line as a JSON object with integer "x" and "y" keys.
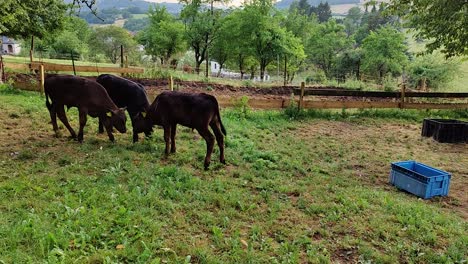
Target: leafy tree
{"x": 326, "y": 42}
{"x": 322, "y": 11}
{"x": 200, "y": 27}
{"x": 303, "y": 7}
{"x": 384, "y": 52}
{"x": 164, "y": 37}
{"x": 239, "y": 46}
{"x": 28, "y": 18}
{"x": 352, "y": 20}
{"x": 73, "y": 38}
{"x": 107, "y": 41}
{"x": 348, "y": 64}
{"x": 299, "y": 26}
{"x": 260, "y": 22}
{"x": 136, "y": 24}
{"x": 433, "y": 69}
{"x": 222, "y": 46}
{"x": 443, "y": 22}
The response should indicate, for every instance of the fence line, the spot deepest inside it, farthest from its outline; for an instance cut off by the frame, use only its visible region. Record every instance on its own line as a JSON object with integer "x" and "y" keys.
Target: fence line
{"x": 69, "y": 68}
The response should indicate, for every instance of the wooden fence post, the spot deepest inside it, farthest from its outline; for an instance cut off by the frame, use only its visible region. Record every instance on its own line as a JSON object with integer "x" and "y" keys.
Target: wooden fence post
{"x": 402, "y": 96}
{"x": 41, "y": 69}
{"x": 171, "y": 83}
{"x": 301, "y": 98}
{"x": 121, "y": 56}
{"x": 73, "y": 63}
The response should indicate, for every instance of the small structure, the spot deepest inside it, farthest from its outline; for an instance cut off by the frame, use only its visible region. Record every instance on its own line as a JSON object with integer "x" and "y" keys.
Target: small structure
{"x": 217, "y": 71}
{"x": 10, "y": 46}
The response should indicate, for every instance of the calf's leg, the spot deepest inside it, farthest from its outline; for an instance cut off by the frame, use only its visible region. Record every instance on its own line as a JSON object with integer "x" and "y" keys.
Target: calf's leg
{"x": 63, "y": 117}
{"x": 220, "y": 139}
{"x": 83, "y": 119}
{"x": 167, "y": 138}
{"x": 53, "y": 119}
{"x": 173, "y": 134}
{"x": 107, "y": 124}
{"x": 101, "y": 126}
{"x": 209, "y": 138}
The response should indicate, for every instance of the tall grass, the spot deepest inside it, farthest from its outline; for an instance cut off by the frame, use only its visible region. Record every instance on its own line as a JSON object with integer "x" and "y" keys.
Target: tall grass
{"x": 294, "y": 191}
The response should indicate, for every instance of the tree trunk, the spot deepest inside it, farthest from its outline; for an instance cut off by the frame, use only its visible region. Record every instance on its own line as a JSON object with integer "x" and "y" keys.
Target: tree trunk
{"x": 285, "y": 80}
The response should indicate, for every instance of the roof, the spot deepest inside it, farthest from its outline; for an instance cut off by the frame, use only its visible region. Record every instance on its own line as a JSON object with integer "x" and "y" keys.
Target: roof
{"x": 7, "y": 40}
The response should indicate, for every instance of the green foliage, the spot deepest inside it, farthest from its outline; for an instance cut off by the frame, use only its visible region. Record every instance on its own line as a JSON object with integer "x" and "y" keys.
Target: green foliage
{"x": 292, "y": 111}
{"x": 200, "y": 28}
{"x": 316, "y": 77}
{"x": 436, "y": 70}
{"x": 107, "y": 40}
{"x": 326, "y": 42}
{"x": 28, "y": 18}
{"x": 136, "y": 24}
{"x": 164, "y": 36}
{"x": 242, "y": 108}
{"x": 441, "y": 22}
{"x": 322, "y": 12}
{"x": 384, "y": 52}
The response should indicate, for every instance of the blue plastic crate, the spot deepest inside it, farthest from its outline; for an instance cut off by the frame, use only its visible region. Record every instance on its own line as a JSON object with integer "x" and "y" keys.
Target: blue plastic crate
{"x": 420, "y": 179}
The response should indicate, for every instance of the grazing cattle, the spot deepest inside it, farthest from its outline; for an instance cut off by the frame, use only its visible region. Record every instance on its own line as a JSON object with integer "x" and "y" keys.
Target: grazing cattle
{"x": 191, "y": 110}
{"x": 88, "y": 96}
{"x": 126, "y": 93}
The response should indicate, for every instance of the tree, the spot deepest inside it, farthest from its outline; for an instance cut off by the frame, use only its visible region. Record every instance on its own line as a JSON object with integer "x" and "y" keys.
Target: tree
{"x": 326, "y": 42}
{"x": 299, "y": 26}
{"x": 28, "y": 18}
{"x": 164, "y": 37}
{"x": 136, "y": 24}
{"x": 107, "y": 41}
{"x": 303, "y": 7}
{"x": 442, "y": 22}
{"x": 384, "y": 52}
{"x": 73, "y": 38}
{"x": 352, "y": 20}
{"x": 200, "y": 27}
{"x": 239, "y": 46}
{"x": 322, "y": 11}
{"x": 260, "y": 23}
{"x": 222, "y": 45}
{"x": 432, "y": 69}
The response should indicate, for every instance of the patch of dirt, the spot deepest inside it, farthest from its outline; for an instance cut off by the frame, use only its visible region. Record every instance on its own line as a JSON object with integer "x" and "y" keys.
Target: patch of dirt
{"x": 369, "y": 149}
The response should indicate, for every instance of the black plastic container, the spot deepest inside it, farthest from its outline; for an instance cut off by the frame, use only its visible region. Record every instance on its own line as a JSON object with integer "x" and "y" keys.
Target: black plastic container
{"x": 445, "y": 130}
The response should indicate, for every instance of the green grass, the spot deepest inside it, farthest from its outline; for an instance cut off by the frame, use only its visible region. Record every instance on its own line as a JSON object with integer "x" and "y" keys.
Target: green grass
{"x": 294, "y": 191}
{"x": 138, "y": 16}
{"x": 17, "y": 59}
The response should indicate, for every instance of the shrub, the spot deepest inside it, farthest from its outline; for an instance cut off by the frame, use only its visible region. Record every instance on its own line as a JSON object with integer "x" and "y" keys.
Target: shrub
{"x": 316, "y": 77}
{"x": 434, "y": 68}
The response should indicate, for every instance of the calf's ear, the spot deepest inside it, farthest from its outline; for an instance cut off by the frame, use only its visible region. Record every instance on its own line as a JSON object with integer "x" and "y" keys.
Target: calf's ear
{"x": 123, "y": 108}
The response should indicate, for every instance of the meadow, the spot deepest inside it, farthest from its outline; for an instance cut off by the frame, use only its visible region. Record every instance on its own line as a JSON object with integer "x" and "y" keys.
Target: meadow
{"x": 308, "y": 187}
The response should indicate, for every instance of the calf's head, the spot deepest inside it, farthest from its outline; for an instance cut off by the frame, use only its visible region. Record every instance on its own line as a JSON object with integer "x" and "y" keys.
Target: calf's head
{"x": 118, "y": 119}
{"x": 140, "y": 124}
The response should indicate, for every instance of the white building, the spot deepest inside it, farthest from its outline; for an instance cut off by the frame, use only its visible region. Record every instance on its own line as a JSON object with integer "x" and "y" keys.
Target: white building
{"x": 224, "y": 73}
{"x": 10, "y": 46}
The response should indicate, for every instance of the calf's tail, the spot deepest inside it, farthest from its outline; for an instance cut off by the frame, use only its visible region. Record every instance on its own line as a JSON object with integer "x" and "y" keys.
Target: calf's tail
{"x": 221, "y": 123}
{"x": 48, "y": 104}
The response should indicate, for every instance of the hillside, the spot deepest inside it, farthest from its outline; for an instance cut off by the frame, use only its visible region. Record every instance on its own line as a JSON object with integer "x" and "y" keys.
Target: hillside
{"x": 283, "y": 4}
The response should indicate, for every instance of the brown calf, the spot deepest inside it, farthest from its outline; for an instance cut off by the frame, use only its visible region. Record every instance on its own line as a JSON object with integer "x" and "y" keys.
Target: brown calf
{"x": 198, "y": 111}
{"x": 88, "y": 96}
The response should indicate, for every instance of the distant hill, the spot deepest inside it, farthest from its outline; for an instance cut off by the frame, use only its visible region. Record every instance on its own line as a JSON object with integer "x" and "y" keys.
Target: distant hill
{"x": 284, "y": 4}
{"x": 141, "y": 5}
